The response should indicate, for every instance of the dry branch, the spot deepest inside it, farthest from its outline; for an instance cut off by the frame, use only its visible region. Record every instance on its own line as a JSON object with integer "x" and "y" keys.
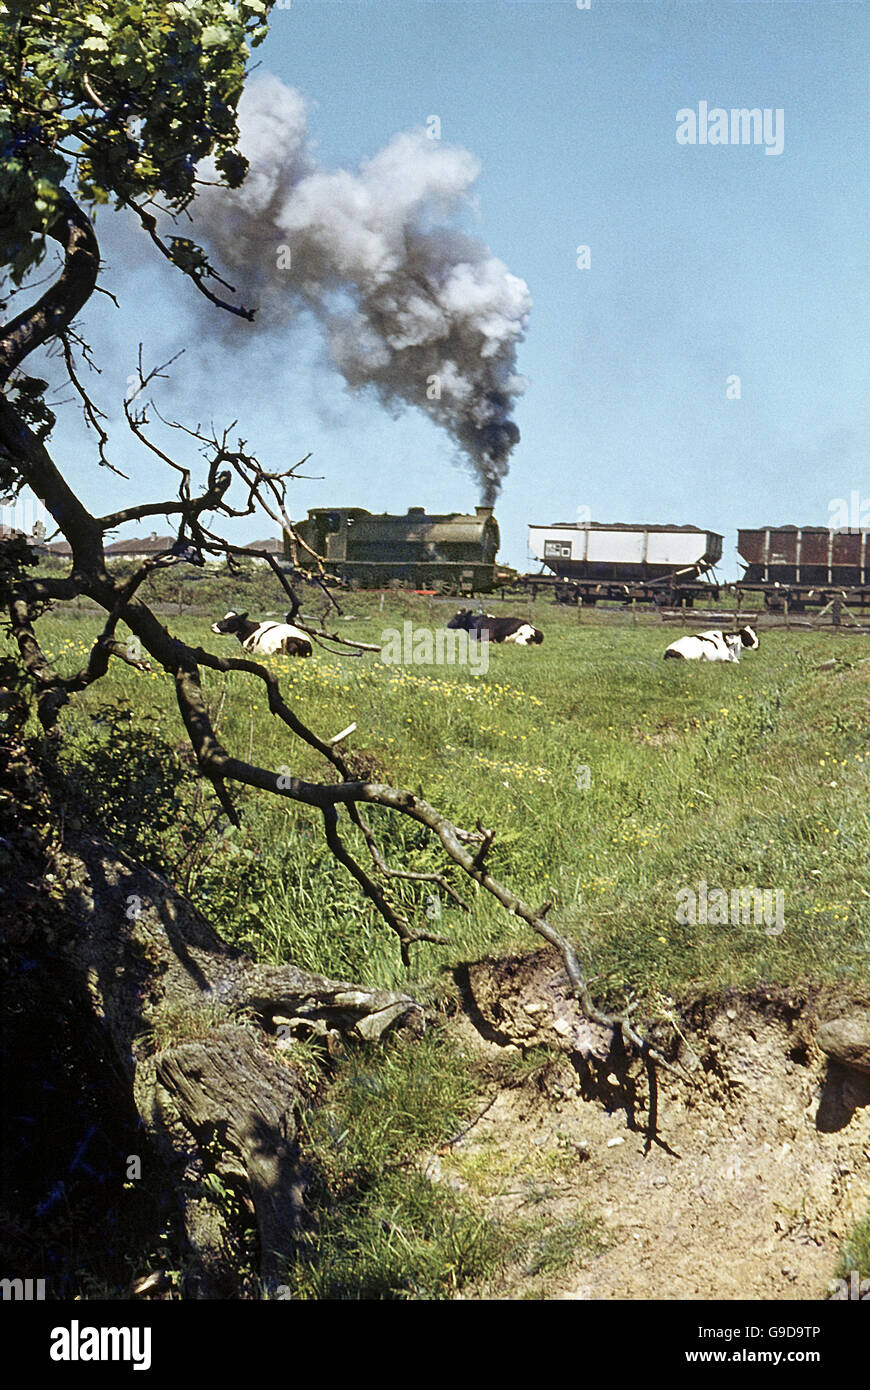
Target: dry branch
{"x": 232, "y": 1084}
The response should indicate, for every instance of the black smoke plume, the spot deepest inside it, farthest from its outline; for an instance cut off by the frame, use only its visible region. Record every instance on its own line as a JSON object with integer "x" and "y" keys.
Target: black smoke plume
{"x": 412, "y": 307}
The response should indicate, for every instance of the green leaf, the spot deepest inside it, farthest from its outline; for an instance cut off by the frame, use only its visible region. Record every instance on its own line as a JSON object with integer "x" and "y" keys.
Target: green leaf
{"x": 215, "y": 36}
{"x": 173, "y": 71}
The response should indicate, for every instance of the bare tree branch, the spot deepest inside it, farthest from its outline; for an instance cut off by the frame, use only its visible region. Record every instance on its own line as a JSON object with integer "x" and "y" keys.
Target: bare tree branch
{"x": 149, "y": 222}
{"x": 93, "y": 415}
{"x": 468, "y": 851}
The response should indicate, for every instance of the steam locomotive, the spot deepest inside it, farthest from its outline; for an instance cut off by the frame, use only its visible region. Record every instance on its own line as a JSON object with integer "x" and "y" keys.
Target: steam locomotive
{"x": 451, "y": 554}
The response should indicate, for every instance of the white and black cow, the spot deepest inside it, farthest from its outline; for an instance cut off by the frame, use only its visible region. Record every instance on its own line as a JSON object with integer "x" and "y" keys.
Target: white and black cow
{"x": 497, "y": 629}
{"x": 714, "y": 645}
{"x": 264, "y": 639}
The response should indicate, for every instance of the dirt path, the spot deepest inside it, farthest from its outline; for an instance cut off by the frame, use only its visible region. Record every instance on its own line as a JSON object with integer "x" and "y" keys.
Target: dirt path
{"x": 763, "y": 1168}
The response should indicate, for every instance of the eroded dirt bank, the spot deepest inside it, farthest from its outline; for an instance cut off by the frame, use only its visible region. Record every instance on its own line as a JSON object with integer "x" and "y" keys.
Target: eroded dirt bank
{"x": 761, "y": 1163}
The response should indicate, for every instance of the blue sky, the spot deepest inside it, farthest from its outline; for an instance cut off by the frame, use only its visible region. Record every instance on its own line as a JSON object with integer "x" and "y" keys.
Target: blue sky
{"x": 706, "y": 261}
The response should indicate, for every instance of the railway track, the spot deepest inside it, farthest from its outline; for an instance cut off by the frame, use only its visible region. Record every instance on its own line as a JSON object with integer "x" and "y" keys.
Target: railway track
{"x": 819, "y": 622}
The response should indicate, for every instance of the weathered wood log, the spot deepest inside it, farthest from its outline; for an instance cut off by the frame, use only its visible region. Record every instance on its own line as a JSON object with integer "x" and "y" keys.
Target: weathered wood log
{"x": 199, "y": 1083}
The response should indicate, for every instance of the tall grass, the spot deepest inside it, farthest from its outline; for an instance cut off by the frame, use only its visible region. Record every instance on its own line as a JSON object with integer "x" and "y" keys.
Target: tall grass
{"x": 749, "y": 775}
{"x": 382, "y": 1229}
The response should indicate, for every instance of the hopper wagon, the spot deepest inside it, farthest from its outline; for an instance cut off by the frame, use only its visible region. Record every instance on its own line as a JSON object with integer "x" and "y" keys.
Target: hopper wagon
{"x": 805, "y": 564}
{"x": 592, "y": 560}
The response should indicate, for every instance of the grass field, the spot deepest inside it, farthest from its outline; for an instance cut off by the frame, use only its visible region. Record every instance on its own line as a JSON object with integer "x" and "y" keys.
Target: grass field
{"x": 613, "y": 779}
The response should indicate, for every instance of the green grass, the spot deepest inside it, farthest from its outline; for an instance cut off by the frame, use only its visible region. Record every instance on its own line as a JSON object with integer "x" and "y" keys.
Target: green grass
{"x": 560, "y": 1246}
{"x": 856, "y": 1252}
{"x": 381, "y": 1228}
{"x": 754, "y": 775}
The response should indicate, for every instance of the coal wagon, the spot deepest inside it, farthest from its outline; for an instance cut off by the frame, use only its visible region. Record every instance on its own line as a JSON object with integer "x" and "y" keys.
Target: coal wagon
{"x": 805, "y": 564}
{"x": 594, "y": 560}
{"x": 452, "y": 554}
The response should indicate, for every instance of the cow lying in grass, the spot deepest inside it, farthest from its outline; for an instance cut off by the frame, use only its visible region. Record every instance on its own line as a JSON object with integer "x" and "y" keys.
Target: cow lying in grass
{"x": 713, "y": 645}
{"x": 264, "y": 639}
{"x": 497, "y": 629}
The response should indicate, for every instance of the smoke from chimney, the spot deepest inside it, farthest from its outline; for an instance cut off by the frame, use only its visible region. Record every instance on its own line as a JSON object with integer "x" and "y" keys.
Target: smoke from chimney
{"x": 411, "y": 306}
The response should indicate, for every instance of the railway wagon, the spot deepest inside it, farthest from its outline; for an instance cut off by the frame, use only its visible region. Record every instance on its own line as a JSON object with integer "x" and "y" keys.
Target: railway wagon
{"x": 805, "y": 556}
{"x": 452, "y": 553}
{"x": 620, "y": 560}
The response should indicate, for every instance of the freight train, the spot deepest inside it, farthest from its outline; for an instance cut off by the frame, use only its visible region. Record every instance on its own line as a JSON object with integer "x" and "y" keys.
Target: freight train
{"x": 595, "y": 561}
{"x": 807, "y": 564}
{"x": 584, "y": 562}
{"x": 674, "y": 565}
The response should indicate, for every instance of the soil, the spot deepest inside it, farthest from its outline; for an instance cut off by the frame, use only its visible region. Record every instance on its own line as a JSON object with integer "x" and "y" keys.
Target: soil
{"x": 759, "y": 1168}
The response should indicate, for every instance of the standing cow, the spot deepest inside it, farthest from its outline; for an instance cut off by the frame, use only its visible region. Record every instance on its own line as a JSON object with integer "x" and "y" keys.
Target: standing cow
{"x": 497, "y": 629}
{"x": 714, "y": 645}
{"x": 264, "y": 639}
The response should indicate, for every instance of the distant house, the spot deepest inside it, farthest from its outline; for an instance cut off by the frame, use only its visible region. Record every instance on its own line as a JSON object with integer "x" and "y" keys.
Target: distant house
{"x": 140, "y": 548}
{"x": 61, "y": 550}
{"x": 271, "y": 546}
{"x": 148, "y": 547}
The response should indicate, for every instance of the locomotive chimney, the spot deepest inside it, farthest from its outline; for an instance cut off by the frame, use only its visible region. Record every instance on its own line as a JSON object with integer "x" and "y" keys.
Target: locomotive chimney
{"x": 484, "y": 512}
